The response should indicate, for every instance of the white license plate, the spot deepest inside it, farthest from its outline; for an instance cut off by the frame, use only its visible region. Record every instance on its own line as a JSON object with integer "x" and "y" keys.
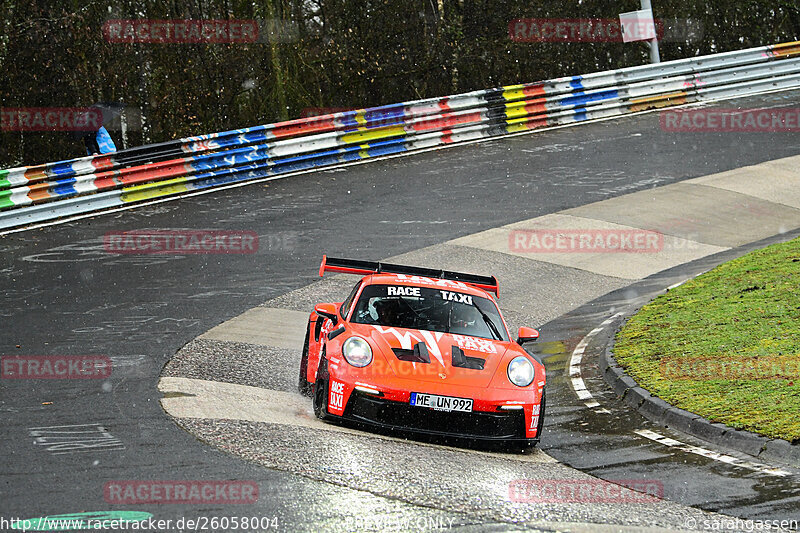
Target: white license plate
{"x": 441, "y": 403}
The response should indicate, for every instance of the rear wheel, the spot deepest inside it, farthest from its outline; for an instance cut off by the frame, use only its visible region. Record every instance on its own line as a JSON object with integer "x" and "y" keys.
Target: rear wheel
{"x": 303, "y": 384}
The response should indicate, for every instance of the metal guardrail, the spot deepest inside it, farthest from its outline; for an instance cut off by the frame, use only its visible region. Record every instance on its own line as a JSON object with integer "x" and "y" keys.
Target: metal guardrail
{"x": 87, "y": 184}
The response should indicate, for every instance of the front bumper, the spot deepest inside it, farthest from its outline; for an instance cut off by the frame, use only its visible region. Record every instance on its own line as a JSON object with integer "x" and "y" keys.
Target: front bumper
{"x": 500, "y": 426}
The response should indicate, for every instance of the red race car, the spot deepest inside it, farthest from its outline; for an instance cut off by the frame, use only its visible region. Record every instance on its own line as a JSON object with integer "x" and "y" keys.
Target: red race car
{"x": 422, "y": 351}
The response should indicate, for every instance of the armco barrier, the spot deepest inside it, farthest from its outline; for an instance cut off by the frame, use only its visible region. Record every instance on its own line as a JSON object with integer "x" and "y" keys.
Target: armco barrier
{"x": 53, "y": 190}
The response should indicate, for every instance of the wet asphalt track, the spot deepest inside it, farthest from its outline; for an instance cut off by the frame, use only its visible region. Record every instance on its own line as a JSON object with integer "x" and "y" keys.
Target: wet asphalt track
{"x": 64, "y": 295}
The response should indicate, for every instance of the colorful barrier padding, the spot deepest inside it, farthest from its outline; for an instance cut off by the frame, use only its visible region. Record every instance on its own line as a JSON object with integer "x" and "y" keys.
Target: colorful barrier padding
{"x": 53, "y": 190}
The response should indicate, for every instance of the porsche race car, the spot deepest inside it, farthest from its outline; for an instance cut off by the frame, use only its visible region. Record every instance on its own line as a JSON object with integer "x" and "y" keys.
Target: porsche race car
{"x": 422, "y": 351}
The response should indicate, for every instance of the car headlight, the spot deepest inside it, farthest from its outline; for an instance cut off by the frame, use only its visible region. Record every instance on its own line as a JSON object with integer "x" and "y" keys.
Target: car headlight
{"x": 520, "y": 371}
{"x": 357, "y": 352}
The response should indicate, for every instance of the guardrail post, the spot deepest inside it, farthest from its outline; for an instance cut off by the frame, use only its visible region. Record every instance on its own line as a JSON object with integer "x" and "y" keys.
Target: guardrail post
{"x": 655, "y": 56}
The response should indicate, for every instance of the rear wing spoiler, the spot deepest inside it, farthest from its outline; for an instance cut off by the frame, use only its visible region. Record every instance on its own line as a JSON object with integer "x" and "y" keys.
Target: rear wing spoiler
{"x": 364, "y": 268}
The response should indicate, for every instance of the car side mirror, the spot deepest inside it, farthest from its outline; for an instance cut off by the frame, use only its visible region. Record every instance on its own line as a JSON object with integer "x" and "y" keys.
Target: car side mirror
{"x": 328, "y": 311}
{"x": 526, "y": 335}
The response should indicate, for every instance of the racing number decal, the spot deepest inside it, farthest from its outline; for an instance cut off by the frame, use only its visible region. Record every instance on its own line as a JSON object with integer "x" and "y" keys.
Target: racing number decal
{"x": 336, "y": 399}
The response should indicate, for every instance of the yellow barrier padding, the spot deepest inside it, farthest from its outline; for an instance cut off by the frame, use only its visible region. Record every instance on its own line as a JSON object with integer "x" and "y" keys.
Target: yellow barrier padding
{"x": 786, "y": 49}
{"x": 656, "y": 102}
{"x": 525, "y": 125}
{"x": 523, "y": 92}
{"x": 516, "y": 128}
{"x": 371, "y": 135}
{"x": 524, "y": 109}
{"x": 154, "y": 190}
{"x": 515, "y": 92}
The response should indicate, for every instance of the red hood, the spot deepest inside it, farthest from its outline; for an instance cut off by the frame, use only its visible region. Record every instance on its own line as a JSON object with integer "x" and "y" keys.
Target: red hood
{"x": 440, "y": 347}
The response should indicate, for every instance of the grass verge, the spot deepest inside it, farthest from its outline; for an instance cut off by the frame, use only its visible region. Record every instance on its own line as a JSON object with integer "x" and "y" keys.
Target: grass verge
{"x": 726, "y": 345}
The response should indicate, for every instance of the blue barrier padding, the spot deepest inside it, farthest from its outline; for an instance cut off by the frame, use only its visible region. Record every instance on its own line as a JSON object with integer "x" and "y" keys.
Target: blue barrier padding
{"x": 581, "y": 98}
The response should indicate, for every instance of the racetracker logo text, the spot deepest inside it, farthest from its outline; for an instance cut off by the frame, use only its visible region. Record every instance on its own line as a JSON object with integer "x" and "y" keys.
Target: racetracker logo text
{"x": 181, "y": 31}
{"x": 180, "y": 242}
{"x": 56, "y": 367}
{"x": 585, "y": 491}
{"x": 585, "y": 241}
{"x": 731, "y": 120}
{"x": 50, "y": 119}
{"x": 580, "y": 30}
{"x": 130, "y": 492}
{"x": 714, "y": 368}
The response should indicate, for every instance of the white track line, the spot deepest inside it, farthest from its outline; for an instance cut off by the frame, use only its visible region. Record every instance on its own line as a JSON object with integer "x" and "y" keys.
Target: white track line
{"x": 729, "y": 459}
{"x": 676, "y": 285}
{"x": 575, "y": 367}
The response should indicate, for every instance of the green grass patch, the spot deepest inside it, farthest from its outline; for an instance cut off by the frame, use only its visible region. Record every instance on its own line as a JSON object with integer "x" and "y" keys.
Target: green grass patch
{"x": 726, "y": 345}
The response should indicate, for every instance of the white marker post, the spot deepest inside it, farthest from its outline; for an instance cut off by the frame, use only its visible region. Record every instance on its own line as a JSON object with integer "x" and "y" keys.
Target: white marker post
{"x": 640, "y": 26}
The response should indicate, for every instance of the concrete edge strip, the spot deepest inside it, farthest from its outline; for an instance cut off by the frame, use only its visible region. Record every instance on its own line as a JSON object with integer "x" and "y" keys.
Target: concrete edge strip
{"x": 657, "y": 410}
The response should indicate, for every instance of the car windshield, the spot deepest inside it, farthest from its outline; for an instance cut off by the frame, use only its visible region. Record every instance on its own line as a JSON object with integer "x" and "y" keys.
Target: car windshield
{"x": 429, "y": 309}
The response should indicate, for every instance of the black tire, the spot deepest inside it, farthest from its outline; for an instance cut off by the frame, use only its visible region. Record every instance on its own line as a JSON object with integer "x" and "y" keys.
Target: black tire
{"x": 304, "y": 386}
{"x": 540, "y": 427}
{"x": 320, "y": 395}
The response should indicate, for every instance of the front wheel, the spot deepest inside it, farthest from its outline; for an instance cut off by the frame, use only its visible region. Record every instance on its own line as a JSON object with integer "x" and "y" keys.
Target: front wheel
{"x": 320, "y": 395}
{"x": 532, "y": 443}
{"x": 540, "y": 427}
